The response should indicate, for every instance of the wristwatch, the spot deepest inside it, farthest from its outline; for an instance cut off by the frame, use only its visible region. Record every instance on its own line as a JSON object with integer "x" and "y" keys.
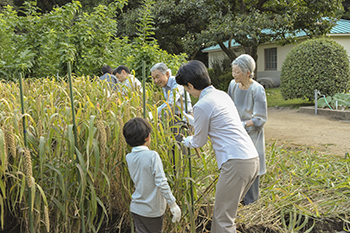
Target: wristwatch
{"x": 245, "y": 124}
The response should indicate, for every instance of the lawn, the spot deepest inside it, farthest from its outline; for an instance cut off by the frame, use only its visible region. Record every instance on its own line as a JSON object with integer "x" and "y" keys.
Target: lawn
{"x": 274, "y": 98}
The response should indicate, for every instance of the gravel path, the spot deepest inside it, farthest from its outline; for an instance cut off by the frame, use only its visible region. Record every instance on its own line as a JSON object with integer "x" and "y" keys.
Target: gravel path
{"x": 293, "y": 129}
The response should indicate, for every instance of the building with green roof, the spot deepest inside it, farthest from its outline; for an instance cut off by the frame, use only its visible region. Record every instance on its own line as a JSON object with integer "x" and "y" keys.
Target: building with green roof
{"x": 271, "y": 55}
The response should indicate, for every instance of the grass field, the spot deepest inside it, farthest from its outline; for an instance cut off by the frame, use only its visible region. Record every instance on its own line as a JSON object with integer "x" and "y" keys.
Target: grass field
{"x": 54, "y": 175}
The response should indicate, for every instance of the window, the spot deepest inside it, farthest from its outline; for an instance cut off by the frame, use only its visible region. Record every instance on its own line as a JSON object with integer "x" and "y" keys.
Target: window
{"x": 271, "y": 59}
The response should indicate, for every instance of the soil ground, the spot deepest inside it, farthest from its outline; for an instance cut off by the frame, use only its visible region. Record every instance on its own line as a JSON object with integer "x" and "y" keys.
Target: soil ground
{"x": 292, "y": 129}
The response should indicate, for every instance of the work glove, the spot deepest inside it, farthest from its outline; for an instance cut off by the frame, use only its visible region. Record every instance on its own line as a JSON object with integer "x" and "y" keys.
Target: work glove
{"x": 150, "y": 115}
{"x": 186, "y": 141}
{"x": 175, "y": 211}
{"x": 187, "y": 118}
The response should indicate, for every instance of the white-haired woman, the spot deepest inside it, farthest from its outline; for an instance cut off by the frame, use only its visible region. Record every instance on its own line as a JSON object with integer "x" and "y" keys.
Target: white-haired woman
{"x": 250, "y": 100}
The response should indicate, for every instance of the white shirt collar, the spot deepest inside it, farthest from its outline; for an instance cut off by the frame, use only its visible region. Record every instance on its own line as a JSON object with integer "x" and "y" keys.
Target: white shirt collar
{"x": 206, "y": 91}
{"x": 171, "y": 82}
{"x": 139, "y": 148}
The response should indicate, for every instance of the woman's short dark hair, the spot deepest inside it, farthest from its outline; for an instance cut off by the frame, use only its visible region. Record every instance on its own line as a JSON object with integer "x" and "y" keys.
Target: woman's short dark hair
{"x": 136, "y": 130}
{"x": 120, "y": 68}
{"x": 106, "y": 69}
{"x": 193, "y": 72}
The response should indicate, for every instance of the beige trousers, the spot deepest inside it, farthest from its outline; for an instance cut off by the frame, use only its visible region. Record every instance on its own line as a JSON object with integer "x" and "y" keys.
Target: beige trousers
{"x": 236, "y": 177}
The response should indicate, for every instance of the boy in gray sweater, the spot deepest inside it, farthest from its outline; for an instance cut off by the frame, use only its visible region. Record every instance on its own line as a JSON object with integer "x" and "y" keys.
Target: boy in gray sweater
{"x": 152, "y": 191}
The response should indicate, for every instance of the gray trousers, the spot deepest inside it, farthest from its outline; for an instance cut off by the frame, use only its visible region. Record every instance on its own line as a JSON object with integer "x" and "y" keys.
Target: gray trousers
{"x": 253, "y": 193}
{"x": 148, "y": 225}
{"x": 236, "y": 177}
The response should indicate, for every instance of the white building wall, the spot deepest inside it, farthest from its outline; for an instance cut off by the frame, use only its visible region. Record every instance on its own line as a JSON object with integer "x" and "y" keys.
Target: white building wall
{"x": 343, "y": 40}
{"x": 218, "y": 55}
{"x": 282, "y": 52}
{"x": 215, "y": 57}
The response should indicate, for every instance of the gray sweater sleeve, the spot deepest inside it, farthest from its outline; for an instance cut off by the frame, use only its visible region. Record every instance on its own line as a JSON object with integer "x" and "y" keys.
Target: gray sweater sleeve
{"x": 161, "y": 180}
{"x": 259, "y": 116}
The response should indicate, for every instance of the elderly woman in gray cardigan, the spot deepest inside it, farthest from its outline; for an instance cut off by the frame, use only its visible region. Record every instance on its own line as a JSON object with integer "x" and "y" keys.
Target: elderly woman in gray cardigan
{"x": 250, "y": 100}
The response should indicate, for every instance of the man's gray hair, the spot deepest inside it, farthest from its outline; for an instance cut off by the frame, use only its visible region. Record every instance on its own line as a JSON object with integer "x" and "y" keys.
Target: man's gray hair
{"x": 246, "y": 63}
{"x": 161, "y": 67}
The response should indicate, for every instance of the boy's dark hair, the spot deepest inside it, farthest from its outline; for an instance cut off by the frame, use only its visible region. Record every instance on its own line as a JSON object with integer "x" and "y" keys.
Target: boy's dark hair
{"x": 107, "y": 69}
{"x": 136, "y": 131}
{"x": 120, "y": 68}
{"x": 193, "y": 72}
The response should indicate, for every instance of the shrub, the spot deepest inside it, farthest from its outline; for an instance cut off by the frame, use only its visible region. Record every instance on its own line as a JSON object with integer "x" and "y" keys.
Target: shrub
{"x": 221, "y": 74}
{"x": 221, "y": 82}
{"x": 320, "y": 64}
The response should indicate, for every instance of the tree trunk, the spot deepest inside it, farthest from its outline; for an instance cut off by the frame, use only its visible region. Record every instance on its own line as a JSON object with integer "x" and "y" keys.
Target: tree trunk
{"x": 253, "y": 51}
{"x": 194, "y": 54}
{"x": 228, "y": 51}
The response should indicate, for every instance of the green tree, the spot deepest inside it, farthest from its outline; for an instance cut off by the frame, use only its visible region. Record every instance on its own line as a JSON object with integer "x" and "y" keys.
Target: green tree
{"x": 144, "y": 47}
{"x": 8, "y": 22}
{"x": 190, "y": 25}
{"x": 48, "y": 5}
{"x": 4, "y": 3}
{"x": 173, "y": 20}
{"x": 346, "y": 5}
{"x": 46, "y": 42}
